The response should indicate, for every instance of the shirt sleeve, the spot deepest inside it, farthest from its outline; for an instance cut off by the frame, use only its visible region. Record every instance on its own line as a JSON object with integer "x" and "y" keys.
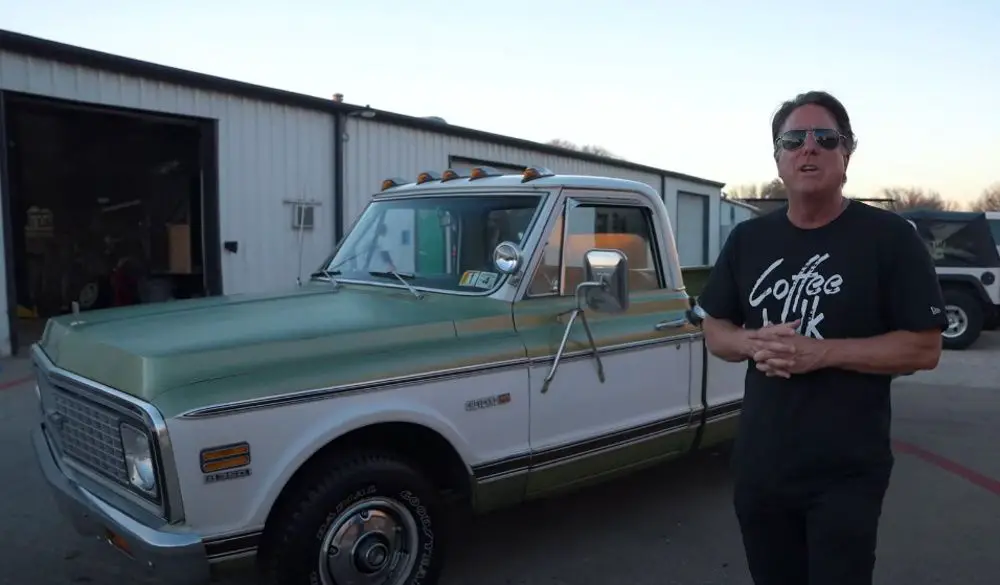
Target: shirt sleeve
{"x": 915, "y": 301}
{"x": 720, "y": 298}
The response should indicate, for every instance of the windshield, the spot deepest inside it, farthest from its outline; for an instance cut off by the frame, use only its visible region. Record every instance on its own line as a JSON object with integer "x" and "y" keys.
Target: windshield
{"x": 443, "y": 242}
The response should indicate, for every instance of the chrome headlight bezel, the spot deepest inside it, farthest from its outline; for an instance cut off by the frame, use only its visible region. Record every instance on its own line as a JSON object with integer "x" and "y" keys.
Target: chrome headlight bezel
{"x": 140, "y": 460}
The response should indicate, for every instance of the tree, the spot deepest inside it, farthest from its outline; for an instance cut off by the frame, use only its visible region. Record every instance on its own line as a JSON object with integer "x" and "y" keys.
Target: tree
{"x": 907, "y": 198}
{"x": 989, "y": 200}
{"x": 773, "y": 189}
{"x": 587, "y": 148}
{"x": 749, "y": 191}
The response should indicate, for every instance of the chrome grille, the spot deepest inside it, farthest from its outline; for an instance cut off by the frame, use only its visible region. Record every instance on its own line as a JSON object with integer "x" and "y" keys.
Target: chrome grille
{"x": 81, "y": 419}
{"x": 88, "y": 433}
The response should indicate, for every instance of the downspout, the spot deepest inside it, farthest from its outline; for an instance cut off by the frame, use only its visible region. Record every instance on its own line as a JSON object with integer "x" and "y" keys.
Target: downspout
{"x": 339, "y": 128}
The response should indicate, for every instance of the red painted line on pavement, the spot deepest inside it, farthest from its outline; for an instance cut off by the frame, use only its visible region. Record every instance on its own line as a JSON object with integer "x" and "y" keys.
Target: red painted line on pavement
{"x": 970, "y": 475}
{"x": 14, "y": 383}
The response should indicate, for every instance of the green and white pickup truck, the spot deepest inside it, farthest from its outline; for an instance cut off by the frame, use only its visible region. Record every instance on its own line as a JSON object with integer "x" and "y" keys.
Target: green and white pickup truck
{"x": 473, "y": 342}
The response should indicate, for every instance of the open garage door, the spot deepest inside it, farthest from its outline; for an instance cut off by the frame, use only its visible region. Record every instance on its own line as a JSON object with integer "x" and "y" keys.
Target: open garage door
{"x": 107, "y": 208}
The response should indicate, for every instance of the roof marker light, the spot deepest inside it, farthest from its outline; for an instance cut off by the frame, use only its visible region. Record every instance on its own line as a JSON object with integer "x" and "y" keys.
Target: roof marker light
{"x": 483, "y": 172}
{"x": 390, "y": 183}
{"x": 427, "y": 177}
{"x": 532, "y": 173}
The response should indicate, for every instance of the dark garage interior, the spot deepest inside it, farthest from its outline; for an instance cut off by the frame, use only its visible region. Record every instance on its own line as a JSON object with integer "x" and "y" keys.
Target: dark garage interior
{"x": 106, "y": 210}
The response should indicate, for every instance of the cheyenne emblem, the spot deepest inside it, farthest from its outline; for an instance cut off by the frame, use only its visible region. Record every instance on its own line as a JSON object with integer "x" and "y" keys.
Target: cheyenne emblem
{"x": 487, "y": 402}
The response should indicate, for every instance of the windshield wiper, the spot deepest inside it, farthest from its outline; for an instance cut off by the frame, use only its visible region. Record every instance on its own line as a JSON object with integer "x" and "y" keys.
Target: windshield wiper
{"x": 401, "y": 277}
{"x": 326, "y": 274}
{"x": 388, "y": 273}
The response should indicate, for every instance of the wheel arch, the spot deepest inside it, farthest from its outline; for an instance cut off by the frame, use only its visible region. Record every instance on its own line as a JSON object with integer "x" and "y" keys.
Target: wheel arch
{"x": 966, "y": 282}
{"x": 416, "y": 443}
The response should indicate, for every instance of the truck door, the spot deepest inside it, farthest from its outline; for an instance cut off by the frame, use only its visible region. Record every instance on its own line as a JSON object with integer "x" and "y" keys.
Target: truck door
{"x": 717, "y": 386}
{"x": 580, "y": 427}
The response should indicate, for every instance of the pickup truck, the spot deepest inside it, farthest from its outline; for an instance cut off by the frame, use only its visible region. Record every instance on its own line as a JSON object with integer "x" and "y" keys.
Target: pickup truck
{"x": 473, "y": 342}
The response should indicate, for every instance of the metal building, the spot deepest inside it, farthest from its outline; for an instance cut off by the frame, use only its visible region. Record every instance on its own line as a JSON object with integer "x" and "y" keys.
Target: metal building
{"x": 731, "y": 213}
{"x": 255, "y": 186}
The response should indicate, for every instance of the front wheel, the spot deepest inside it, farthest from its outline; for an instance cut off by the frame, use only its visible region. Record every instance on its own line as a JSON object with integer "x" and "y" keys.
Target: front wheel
{"x": 366, "y": 518}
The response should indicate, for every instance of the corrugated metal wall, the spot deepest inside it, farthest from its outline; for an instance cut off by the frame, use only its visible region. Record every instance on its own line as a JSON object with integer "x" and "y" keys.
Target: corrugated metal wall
{"x": 267, "y": 153}
{"x": 732, "y": 214}
{"x": 375, "y": 151}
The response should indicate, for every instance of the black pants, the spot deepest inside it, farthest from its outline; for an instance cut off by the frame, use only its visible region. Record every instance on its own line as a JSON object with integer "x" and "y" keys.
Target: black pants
{"x": 823, "y": 534}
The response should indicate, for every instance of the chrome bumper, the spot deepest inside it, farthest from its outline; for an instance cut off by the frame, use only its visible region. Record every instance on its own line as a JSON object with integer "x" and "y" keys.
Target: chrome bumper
{"x": 174, "y": 558}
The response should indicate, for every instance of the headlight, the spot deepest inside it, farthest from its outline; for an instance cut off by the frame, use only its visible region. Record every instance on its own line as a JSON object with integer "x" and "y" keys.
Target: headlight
{"x": 138, "y": 459}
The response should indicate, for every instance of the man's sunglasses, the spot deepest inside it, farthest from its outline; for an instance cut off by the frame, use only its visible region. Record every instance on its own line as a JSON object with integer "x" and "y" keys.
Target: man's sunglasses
{"x": 826, "y": 138}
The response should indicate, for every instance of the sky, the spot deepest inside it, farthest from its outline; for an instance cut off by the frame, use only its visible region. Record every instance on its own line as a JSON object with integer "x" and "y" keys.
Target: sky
{"x": 685, "y": 86}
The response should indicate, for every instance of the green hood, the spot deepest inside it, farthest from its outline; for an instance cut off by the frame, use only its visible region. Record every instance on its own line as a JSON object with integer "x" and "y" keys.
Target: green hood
{"x": 192, "y": 353}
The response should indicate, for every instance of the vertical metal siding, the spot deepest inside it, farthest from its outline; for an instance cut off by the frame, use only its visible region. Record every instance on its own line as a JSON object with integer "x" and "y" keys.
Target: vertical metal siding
{"x": 377, "y": 150}
{"x": 732, "y": 213}
{"x": 267, "y": 153}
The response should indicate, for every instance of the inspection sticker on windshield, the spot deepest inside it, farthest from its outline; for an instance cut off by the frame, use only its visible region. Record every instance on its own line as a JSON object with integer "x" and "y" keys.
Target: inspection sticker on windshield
{"x": 479, "y": 279}
{"x": 468, "y": 278}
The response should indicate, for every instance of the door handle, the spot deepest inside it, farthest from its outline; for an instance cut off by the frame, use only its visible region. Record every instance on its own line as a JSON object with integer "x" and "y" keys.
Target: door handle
{"x": 671, "y": 324}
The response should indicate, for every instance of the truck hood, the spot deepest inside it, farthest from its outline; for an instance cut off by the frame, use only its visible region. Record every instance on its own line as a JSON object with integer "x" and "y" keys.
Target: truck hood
{"x": 152, "y": 350}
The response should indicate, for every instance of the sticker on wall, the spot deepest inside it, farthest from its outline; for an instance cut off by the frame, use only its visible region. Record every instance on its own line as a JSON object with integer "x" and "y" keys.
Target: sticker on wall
{"x": 469, "y": 278}
{"x": 486, "y": 280}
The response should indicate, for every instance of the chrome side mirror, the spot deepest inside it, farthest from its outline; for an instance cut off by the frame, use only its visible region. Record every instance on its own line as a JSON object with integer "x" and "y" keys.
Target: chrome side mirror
{"x": 606, "y": 286}
{"x": 605, "y": 289}
{"x": 507, "y": 257}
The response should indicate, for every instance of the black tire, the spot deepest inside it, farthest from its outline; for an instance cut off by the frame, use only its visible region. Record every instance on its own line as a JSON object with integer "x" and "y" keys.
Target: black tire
{"x": 290, "y": 550}
{"x": 971, "y": 312}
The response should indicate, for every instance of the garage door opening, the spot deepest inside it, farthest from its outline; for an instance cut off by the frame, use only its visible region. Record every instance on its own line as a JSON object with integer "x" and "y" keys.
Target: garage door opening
{"x": 107, "y": 209}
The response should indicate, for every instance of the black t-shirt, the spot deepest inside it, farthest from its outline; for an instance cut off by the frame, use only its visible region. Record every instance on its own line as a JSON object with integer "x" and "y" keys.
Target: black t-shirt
{"x": 864, "y": 274}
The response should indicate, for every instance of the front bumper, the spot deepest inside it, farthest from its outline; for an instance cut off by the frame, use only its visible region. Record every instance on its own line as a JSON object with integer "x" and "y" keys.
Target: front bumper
{"x": 174, "y": 558}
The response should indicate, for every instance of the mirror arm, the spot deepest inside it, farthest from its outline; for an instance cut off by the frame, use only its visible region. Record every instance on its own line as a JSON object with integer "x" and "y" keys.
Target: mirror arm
{"x": 578, "y": 311}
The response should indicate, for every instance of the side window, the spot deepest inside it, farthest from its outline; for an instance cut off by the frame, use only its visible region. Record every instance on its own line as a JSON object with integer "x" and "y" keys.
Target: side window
{"x": 995, "y": 230}
{"x": 588, "y": 226}
{"x": 548, "y": 274}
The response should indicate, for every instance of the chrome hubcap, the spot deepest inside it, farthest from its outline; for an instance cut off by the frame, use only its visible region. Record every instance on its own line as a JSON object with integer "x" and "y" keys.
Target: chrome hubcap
{"x": 958, "y": 321}
{"x": 373, "y": 542}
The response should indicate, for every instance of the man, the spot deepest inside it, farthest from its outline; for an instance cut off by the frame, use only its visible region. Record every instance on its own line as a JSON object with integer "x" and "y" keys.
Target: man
{"x": 826, "y": 298}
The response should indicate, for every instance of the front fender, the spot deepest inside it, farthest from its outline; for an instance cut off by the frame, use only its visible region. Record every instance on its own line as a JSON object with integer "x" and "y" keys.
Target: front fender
{"x": 281, "y": 440}
{"x": 353, "y": 417}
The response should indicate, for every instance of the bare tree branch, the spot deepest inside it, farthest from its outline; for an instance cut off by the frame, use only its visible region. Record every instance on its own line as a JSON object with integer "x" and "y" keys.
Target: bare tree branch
{"x": 989, "y": 200}
{"x": 773, "y": 189}
{"x": 587, "y": 148}
{"x": 908, "y": 198}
